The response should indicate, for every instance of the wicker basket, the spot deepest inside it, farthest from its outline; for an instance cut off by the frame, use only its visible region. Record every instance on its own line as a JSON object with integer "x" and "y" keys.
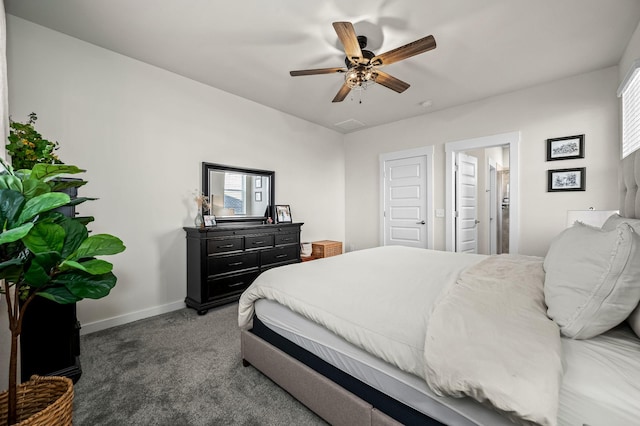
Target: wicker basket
{"x": 326, "y": 248}
{"x": 41, "y": 401}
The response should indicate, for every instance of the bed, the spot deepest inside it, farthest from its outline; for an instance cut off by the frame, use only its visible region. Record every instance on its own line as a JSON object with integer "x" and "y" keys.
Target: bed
{"x": 434, "y": 344}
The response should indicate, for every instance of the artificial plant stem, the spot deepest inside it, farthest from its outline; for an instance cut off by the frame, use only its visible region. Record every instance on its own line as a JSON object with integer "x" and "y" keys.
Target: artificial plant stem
{"x": 13, "y": 362}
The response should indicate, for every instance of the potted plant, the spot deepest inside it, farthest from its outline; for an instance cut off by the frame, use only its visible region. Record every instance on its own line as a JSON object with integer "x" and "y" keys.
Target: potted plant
{"x": 27, "y": 147}
{"x": 44, "y": 253}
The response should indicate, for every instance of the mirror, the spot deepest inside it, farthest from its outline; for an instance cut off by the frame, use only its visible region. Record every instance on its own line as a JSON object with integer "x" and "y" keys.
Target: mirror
{"x": 237, "y": 194}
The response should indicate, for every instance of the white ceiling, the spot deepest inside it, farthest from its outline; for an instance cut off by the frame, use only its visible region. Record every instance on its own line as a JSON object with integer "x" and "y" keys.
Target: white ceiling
{"x": 248, "y": 47}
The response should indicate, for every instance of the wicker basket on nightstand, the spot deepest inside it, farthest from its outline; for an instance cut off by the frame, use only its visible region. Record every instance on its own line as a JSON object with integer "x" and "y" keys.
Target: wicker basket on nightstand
{"x": 326, "y": 248}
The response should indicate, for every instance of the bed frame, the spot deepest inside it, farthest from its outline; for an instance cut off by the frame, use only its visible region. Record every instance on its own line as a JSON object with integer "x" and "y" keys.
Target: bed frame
{"x": 346, "y": 401}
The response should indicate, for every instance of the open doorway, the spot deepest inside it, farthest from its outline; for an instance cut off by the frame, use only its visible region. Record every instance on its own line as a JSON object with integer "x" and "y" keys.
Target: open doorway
{"x": 482, "y": 214}
{"x": 490, "y": 196}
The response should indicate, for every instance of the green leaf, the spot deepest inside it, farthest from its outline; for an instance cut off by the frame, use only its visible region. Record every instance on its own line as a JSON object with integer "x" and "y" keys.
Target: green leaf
{"x": 42, "y": 203}
{"x": 99, "y": 245}
{"x": 39, "y": 272}
{"x": 93, "y": 266}
{"x": 10, "y": 182}
{"x": 11, "y": 203}
{"x": 60, "y": 184}
{"x": 49, "y": 171}
{"x": 75, "y": 233}
{"x": 34, "y": 187}
{"x": 36, "y": 275}
{"x": 83, "y": 285}
{"x": 15, "y": 234}
{"x": 59, "y": 295}
{"x": 79, "y": 200}
{"x": 45, "y": 237}
{"x": 11, "y": 269}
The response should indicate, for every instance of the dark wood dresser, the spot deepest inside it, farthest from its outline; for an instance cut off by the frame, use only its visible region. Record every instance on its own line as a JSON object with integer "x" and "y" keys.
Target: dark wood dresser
{"x": 222, "y": 261}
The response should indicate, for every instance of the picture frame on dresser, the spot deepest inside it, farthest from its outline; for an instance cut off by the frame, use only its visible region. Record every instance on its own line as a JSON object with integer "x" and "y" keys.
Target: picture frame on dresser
{"x": 283, "y": 213}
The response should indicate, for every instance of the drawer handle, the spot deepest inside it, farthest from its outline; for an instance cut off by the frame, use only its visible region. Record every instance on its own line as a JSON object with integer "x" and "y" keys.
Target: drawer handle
{"x": 236, "y": 264}
{"x": 287, "y": 239}
{"x": 226, "y": 246}
{"x": 258, "y": 242}
{"x": 238, "y": 284}
{"x": 280, "y": 256}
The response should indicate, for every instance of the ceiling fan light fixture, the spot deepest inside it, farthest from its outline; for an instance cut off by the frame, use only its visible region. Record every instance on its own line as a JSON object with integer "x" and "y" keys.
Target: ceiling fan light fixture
{"x": 360, "y": 77}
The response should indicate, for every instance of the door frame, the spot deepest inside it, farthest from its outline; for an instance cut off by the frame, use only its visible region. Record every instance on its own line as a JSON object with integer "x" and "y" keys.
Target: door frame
{"x": 492, "y": 184}
{"x": 512, "y": 139}
{"x": 398, "y": 155}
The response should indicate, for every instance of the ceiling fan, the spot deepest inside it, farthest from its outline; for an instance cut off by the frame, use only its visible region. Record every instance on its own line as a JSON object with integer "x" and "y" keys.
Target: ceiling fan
{"x": 363, "y": 66}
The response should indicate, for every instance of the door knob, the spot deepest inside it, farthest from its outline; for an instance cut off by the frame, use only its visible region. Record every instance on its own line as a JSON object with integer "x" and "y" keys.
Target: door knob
{"x": 477, "y": 221}
{"x": 421, "y": 223}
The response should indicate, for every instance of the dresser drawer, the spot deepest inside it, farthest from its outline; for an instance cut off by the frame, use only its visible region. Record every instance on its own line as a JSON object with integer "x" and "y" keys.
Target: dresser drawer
{"x": 258, "y": 241}
{"x": 230, "y": 284}
{"x": 224, "y": 245}
{"x": 234, "y": 262}
{"x": 289, "y": 238}
{"x": 279, "y": 255}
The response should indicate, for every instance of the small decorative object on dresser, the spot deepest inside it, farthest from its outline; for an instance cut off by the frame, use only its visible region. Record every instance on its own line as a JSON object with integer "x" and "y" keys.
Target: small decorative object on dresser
{"x": 209, "y": 220}
{"x": 283, "y": 214}
{"x": 224, "y": 260}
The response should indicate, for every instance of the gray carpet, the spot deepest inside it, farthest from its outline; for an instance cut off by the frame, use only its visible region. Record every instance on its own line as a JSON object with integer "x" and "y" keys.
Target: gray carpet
{"x": 178, "y": 369}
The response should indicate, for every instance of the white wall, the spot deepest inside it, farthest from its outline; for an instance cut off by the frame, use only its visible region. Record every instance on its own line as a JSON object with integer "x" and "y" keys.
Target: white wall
{"x": 142, "y": 133}
{"x": 585, "y": 103}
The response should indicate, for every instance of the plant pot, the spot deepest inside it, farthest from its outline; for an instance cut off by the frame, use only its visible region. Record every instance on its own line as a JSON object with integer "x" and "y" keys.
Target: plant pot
{"x": 41, "y": 401}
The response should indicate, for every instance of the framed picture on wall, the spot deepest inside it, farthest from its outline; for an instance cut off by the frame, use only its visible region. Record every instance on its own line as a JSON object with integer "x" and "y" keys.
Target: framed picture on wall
{"x": 566, "y": 179}
{"x": 283, "y": 214}
{"x": 258, "y": 196}
{"x": 565, "y": 148}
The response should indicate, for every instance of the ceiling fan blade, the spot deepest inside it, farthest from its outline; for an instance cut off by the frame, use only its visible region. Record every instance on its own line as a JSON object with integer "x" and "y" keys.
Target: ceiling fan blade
{"x": 342, "y": 93}
{"x": 317, "y": 71}
{"x": 347, "y": 36}
{"x": 408, "y": 50}
{"x": 391, "y": 82}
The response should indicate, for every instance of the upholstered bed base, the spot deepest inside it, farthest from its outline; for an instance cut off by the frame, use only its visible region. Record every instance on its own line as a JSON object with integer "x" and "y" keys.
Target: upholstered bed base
{"x": 332, "y": 394}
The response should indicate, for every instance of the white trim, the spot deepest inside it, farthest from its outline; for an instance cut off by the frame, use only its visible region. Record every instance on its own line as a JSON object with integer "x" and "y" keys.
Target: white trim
{"x": 513, "y": 140}
{"x": 398, "y": 155}
{"x": 92, "y": 327}
{"x": 627, "y": 78}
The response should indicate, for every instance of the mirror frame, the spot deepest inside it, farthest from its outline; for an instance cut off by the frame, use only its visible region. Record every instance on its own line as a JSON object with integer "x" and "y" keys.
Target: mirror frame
{"x": 209, "y": 167}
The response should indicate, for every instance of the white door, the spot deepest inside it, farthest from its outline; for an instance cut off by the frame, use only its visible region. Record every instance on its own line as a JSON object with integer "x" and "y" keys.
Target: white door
{"x": 405, "y": 202}
{"x": 466, "y": 203}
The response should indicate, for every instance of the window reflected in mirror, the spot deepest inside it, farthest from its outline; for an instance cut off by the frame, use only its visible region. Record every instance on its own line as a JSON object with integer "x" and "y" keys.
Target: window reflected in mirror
{"x": 236, "y": 193}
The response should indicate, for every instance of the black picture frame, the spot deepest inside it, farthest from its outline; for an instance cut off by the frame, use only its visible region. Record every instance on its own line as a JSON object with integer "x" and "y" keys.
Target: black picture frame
{"x": 283, "y": 213}
{"x": 562, "y": 180}
{"x": 209, "y": 220}
{"x": 565, "y": 148}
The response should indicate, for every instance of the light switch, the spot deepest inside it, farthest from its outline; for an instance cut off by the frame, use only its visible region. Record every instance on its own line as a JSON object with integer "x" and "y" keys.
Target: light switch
{"x": 439, "y": 212}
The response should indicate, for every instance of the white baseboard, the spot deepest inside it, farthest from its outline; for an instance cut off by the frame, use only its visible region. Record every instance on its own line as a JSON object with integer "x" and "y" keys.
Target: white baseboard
{"x": 92, "y": 327}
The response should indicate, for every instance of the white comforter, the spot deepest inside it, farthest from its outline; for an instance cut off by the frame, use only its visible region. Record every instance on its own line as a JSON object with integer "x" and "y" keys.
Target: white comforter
{"x": 378, "y": 299}
{"x": 381, "y": 300}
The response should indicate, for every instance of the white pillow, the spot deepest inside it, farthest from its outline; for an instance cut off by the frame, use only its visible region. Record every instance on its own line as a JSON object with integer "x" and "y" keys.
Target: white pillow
{"x": 634, "y": 320}
{"x": 611, "y": 223}
{"x": 615, "y": 219}
{"x": 592, "y": 280}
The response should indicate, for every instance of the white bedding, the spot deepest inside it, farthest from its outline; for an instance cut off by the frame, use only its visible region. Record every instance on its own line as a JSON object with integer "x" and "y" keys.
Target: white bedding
{"x": 379, "y": 300}
{"x": 611, "y": 361}
{"x": 400, "y": 283}
{"x": 489, "y": 338}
